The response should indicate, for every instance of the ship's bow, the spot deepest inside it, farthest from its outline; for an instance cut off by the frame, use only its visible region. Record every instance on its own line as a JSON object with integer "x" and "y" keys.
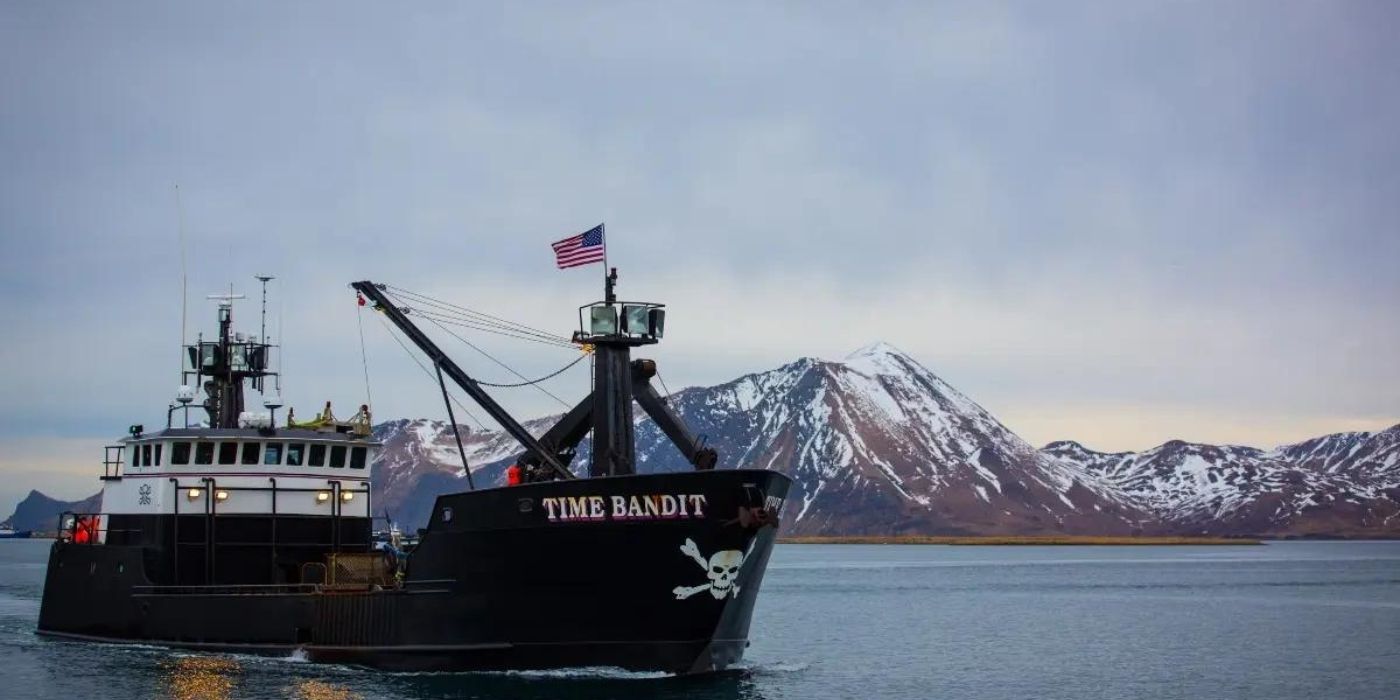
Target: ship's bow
{"x": 653, "y": 572}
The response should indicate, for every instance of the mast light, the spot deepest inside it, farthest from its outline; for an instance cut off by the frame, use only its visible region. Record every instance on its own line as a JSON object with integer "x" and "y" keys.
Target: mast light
{"x": 634, "y": 320}
{"x": 603, "y": 320}
{"x": 656, "y": 322}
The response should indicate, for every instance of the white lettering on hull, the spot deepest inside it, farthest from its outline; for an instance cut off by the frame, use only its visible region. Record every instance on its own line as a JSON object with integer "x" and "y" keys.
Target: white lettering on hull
{"x": 664, "y": 506}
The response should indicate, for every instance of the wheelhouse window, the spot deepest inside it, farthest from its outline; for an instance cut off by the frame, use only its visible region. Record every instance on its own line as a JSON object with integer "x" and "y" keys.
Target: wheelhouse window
{"x": 146, "y": 455}
{"x": 204, "y": 453}
{"x": 135, "y": 455}
{"x": 337, "y": 457}
{"x": 250, "y": 452}
{"x": 228, "y": 452}
{"x": 272, "y": 454}
{"x": 357, "y": 458}
{"x": 158, "y": 446}
{"x": 294, "y": 453}
{"x": 180, "y": 453}
{"x": 317, "y": 456}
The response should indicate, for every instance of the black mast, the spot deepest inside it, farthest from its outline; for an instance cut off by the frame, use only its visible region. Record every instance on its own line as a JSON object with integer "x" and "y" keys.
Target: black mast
{"x": 223, "y": 365}
{"x": 614, "y": 450}
{"x": 614, "y": 328}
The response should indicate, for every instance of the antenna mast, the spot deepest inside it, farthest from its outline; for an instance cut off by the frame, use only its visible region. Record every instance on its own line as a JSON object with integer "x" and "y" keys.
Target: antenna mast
{"x": 262, "y": 333}
{"x": 184, "y": 280}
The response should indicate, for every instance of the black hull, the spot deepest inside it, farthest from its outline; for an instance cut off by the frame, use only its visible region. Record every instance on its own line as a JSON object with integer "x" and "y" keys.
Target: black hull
{"x": 514, "y": 578}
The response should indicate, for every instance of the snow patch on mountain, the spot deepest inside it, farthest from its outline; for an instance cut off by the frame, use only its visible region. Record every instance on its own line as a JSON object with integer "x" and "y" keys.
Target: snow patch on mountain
{"x": 877, "y": 443}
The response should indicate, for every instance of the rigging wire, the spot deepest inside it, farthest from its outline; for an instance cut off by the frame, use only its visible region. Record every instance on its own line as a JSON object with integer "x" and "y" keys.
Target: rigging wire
{"x": 668, "y": 401}
{"x": 430, "y": 374}
{"x": 661, "y": 379}
{"x": 463, "y": 313}
{"x": 364, "y": 358}
{"x": 507, "y": 367}
{"x": 553, "y": 342}
{"x": 546, "y": 377}
{"x": 472, "y": 312}
{"x": 489, "y": 324}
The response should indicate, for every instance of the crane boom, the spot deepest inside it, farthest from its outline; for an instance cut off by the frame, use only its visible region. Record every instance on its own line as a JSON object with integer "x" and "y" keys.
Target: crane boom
{"x": 372, "y": 292}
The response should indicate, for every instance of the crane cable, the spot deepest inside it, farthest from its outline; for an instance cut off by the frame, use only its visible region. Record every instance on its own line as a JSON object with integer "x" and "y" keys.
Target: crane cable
{"x": 551, "y": 375}
{"x": 478, "y": 319}
{"x": 471, "y": 312}
{"x": 508, "y": 368}
{"x": 364, "y": 357}
{"x": 460, "y": 323}
{"x": 430, "y": 374}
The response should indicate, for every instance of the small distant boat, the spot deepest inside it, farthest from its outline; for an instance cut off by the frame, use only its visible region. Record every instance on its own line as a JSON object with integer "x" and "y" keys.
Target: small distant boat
{"x": 9, "y": 533}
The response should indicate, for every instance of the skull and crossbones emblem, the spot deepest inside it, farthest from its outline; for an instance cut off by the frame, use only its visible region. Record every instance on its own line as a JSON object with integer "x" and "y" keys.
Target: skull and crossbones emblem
{"x": 722, "y": 569}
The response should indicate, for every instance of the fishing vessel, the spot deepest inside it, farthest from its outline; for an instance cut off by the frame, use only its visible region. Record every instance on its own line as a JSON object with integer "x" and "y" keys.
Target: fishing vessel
{"x": 236, "y": 533}
{"x": 9, "y": 533}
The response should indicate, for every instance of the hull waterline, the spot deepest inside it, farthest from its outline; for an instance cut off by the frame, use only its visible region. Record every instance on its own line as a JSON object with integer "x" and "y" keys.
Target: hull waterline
{"x": 645, "y": 572}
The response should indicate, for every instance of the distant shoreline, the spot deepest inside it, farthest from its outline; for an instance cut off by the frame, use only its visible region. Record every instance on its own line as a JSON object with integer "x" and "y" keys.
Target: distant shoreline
{"x": 1018, "y": 540}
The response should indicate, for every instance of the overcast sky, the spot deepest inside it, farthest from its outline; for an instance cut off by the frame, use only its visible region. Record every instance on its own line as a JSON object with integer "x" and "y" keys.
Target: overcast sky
{"x": 1115, "y": 222}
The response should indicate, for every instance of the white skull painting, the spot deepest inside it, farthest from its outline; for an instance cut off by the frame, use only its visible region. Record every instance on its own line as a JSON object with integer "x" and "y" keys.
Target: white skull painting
{"x": 722, "y": 569}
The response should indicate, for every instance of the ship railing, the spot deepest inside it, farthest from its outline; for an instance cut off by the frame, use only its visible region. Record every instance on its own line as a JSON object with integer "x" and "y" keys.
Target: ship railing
{"x": 421, "y": 585}
{"x": 85, "y": 528}
{"x": 208, "y": 488}
{"x": 113, "y": 461}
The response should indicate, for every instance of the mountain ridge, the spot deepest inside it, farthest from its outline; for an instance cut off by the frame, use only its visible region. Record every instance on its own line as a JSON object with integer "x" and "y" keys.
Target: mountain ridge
{"x": 876, "y": 443}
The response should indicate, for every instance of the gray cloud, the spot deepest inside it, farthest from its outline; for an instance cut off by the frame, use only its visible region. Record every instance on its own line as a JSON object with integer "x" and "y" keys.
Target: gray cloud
{"x": 1186, "y": 209}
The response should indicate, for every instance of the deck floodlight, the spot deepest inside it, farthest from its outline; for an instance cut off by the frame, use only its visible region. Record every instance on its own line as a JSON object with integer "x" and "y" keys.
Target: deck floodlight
{"x": 635, "y": 320}
{"x": 656, "y": 322}
{"x": 603, "y": 320}
{"x": 323, "y": 496}
{"x": 193, "y": 494}
{"x": 347, "y": 496}
{"x": 221, "y": 495}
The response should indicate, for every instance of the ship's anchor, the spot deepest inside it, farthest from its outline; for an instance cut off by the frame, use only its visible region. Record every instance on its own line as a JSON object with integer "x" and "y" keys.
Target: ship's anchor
{"x": 722, "y": 570}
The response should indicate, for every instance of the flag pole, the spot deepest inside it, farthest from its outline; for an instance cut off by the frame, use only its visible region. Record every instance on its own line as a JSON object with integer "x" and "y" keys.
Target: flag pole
{"x": 609, "y": 277}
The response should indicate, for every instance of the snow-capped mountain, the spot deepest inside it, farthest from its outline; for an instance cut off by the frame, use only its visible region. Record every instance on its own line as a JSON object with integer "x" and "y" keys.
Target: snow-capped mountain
{"x": 878, "y": 444}
{"x": 875, "y": 444}
{"x": 1341, "y": 484}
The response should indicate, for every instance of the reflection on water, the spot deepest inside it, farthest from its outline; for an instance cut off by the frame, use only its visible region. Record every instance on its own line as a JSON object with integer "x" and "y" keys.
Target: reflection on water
{"x": 877, "y": 622}
{"x": 201, "y": 677}
{"x": 321, "y": 690}
{"x": 218, "y": 678}
{"x": 214, "y": 677}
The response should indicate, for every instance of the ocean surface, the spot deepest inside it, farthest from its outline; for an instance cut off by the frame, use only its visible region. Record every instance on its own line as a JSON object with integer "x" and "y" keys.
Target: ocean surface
{"x": 1283, "y": 621}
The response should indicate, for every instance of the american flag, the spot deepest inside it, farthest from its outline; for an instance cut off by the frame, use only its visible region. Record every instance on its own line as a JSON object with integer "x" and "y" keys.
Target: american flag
{"x": 585, "y": 248}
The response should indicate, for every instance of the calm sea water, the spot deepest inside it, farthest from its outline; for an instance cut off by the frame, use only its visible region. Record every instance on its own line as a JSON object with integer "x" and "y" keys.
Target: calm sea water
{"x": 1293, "y": 620}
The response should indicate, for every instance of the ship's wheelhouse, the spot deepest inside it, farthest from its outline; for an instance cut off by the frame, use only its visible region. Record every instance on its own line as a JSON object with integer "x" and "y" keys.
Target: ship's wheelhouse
{"x": 237, "y": 506}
